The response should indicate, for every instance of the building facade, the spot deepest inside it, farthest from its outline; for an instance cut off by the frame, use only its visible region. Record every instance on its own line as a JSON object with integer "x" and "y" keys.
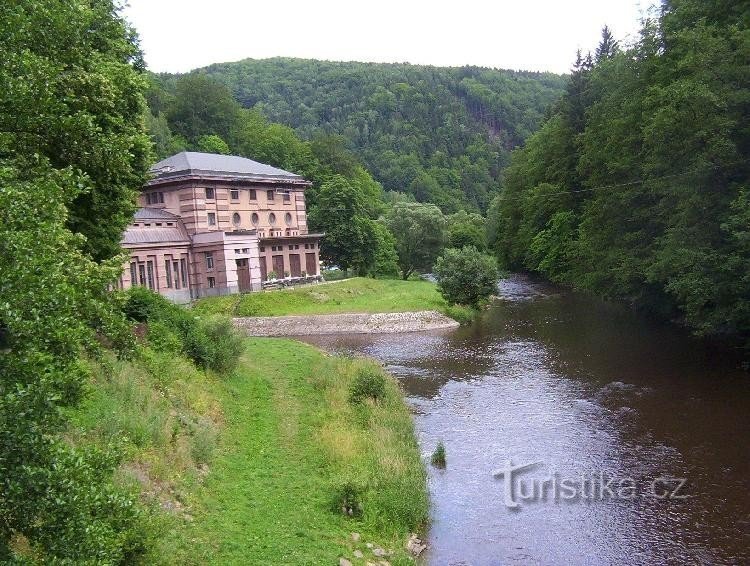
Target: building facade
{"x": 218, "y": 224}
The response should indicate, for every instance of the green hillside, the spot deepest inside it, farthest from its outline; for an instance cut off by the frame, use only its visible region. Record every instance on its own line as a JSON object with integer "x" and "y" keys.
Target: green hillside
{"x": 441, "y": 134}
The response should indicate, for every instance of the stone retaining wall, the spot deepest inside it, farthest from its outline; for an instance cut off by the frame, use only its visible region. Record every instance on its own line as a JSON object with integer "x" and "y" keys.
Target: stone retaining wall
{"x": 345, "y": 323}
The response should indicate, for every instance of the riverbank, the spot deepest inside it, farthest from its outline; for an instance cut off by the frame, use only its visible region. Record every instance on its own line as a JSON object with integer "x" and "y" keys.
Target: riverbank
{"x": 356, "y": 295}
{"x": 294, "y": 450}
{"x": 345, "y": 323}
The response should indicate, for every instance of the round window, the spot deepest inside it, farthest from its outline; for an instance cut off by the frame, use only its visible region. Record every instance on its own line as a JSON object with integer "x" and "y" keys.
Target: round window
{"x": 236, "y": 219}
{"x": 255, "y": 218}
{"x": 288, "y": 218}
{"x": 272, "y": 219}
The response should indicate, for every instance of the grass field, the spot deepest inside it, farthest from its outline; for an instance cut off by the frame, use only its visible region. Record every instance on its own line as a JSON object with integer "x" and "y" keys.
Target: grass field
{"x": 293, "y": 443}
{"x": 353, "y": 295}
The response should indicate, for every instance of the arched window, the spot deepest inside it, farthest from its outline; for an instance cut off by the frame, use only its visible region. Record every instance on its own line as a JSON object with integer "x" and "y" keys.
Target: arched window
{"x": 236, "y": 219}
{"x": 272, "y": 219}
{"x": 288, "y": 219}
{"x": 255, "y": 219}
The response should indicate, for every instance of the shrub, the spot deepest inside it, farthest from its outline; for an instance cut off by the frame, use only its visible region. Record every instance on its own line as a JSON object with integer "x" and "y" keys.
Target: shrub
{"x": 466, "y": 276}
{"x": 438, "y": 456}
{"x": 347, "y": 498}
{"x": 214, "y": 344}
{"x": 369, "y": 383}
{"x": 142, "y": 305}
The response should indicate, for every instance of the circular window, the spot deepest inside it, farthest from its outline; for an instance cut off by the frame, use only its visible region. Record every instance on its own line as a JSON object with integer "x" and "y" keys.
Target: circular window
{"x": 288, "y": 218}
{"x": 272, "y": 219}
{"x": 254, "y": 218}
{"x": 236, "y": 219}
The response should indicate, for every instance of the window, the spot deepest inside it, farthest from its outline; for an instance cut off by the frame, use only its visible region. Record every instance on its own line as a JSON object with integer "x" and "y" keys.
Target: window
{"x": 168, "y": 272}
{"x": 161, "y": 198}
{"x": 148, "y": 198}
{"x": 142, "y": 275}
{"x": 209, "y": 260}
{"x": 255, "y": 219}
{"x": 269, "y": 195}
{"x": 210, "y": 194}
{"x": 176, "y": 269}
{"x": 170, "y": 223}
{"x": 287, "y": 196}
{"x": 291, "y": 247}
{"x": 253, "y": 195}
{"x": 133, "y": 273}
{"x": 262, "y": 248}
{"x": 245, "y": 250}
{"x": 234, "y": 194}
{"x": 212, "y": 219}
{"x": 236, "y": 219}
{"x": 272, "y": 219}
{"x": 237, "y": 251}
{"x": 288, "y": 218}
{"x": 211, "y": 282}
{"x": 158, "y": 223}
{"x": 150, "y": 271}
{"x": 183, "y": 272}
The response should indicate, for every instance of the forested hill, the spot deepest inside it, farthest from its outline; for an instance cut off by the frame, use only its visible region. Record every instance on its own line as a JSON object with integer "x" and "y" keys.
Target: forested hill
{"x": 442, "y": 134}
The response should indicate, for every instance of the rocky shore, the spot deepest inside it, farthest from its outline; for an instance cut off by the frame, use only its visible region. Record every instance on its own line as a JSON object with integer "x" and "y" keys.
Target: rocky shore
{"x": 345, "y": 323}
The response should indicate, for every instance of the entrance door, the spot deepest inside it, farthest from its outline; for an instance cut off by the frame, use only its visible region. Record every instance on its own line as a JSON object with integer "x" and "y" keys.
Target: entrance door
{"x": 294, "y": 266}
{"x": 311, "y": 266}
{"x": 263, "y": 269}
{"x": 243, "y": 275}
{"x": 278, "y": 265}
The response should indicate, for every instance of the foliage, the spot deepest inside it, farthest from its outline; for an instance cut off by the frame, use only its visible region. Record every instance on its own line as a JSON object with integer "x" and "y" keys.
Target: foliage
{"x": 386, "y": 259}
{"x": 419, "y": 230}
{"x": 73, "y": 93}
{"x": 213, "y": 144}
{"x": 441, "y": 134}
{"x": 350, "y": 240}
{"x": 466, "y": 276}
{"x": 438, "y": 456}
{"x": 210, "y": 342}
{"x": 634, "y": 186}
{"x": 368, "y": 383}
{"x": 57, "y": 497}
{"x": 466, "y": 229}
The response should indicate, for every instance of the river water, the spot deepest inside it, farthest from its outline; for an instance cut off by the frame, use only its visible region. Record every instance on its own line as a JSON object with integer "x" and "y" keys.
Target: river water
{"x": 621, "y": 409}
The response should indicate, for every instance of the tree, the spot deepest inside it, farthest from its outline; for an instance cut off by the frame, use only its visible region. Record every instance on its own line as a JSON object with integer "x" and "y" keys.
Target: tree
{"x": 213, "y": 144}
{"x": 419, "y": 230}
{"x": 73, "y": 92}
{"x": 386, "y": 258}
{"x": 351, "y": 239}
{"x": 607, "y": 47}
{"x": 466, "y": 229}
{"x": 466, "y": 276}
{"x": 202, "y": 106}
{"x": 59, "y": 497}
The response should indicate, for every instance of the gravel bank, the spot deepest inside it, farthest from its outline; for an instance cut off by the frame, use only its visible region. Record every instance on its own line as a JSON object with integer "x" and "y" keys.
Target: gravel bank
{"x": 346, "y": 323}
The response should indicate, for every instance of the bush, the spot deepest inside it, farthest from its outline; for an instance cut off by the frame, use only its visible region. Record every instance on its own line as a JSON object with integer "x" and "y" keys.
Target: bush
{"x": 369, "y": 383}
{"x": 438, "y": 456}
{"x": 347, "y": 498}
{"x": 466, "y": 276}
{"x": 210, "y": 343}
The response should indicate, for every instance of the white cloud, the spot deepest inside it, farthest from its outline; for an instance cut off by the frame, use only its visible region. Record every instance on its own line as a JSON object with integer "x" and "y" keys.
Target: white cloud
{"x": 542, "y": 35}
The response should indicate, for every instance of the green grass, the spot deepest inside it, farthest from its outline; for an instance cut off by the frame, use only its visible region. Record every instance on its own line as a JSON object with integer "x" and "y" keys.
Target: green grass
{"x": 353, "y": 295}
{"x": 292, "y": 441}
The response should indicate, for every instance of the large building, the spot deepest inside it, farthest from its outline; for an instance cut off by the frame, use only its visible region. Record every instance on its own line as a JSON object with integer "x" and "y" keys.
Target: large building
{"x": 218, "y": 224}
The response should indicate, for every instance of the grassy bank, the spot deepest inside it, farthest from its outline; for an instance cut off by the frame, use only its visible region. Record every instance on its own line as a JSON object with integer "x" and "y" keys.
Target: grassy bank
{"x": 255, "y": 467}
{"x": 294, "y": 448}
{"x": 353, "y": 295}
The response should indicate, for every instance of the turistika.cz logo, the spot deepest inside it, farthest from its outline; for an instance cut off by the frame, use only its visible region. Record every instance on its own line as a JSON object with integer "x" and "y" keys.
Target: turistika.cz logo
{"x": 519, "y": 489}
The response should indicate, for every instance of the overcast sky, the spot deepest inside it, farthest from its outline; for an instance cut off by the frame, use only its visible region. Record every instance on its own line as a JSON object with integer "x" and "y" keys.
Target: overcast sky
{"x": 541, "y": 35}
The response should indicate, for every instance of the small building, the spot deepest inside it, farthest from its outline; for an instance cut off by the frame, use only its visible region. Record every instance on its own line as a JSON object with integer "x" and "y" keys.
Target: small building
{"x": 218, "y": 224}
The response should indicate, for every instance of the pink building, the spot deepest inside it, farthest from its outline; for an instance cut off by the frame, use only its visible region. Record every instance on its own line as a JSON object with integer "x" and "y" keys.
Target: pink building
{"x": 219, "y": 224}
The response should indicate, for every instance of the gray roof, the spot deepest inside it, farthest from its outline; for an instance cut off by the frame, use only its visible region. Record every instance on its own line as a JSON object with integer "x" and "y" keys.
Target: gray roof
{"x": 193, "y": 163}
{"x": 154, "y": 214}
{"x": 148, "y": 235}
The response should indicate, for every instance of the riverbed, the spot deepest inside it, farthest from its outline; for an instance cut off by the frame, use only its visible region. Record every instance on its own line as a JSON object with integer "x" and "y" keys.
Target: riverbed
{"x": 647, "y": 428}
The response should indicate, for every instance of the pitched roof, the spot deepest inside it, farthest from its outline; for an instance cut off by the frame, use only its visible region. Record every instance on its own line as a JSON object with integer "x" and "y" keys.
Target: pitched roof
{"x": 137, "y": 235}
{"x": 193, "y": 163}
{"x": 154, "y": 214}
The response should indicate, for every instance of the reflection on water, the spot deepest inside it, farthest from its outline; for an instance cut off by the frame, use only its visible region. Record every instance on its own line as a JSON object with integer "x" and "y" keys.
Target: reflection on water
{"x": 583, "y": 387}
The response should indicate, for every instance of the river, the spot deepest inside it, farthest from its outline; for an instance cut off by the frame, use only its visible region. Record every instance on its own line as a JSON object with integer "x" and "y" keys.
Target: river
{"x": 647, "y": 428}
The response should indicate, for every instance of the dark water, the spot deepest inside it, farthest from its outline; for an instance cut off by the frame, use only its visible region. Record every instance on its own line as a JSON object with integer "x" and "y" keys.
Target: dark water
{"x": 585, "y": 390}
